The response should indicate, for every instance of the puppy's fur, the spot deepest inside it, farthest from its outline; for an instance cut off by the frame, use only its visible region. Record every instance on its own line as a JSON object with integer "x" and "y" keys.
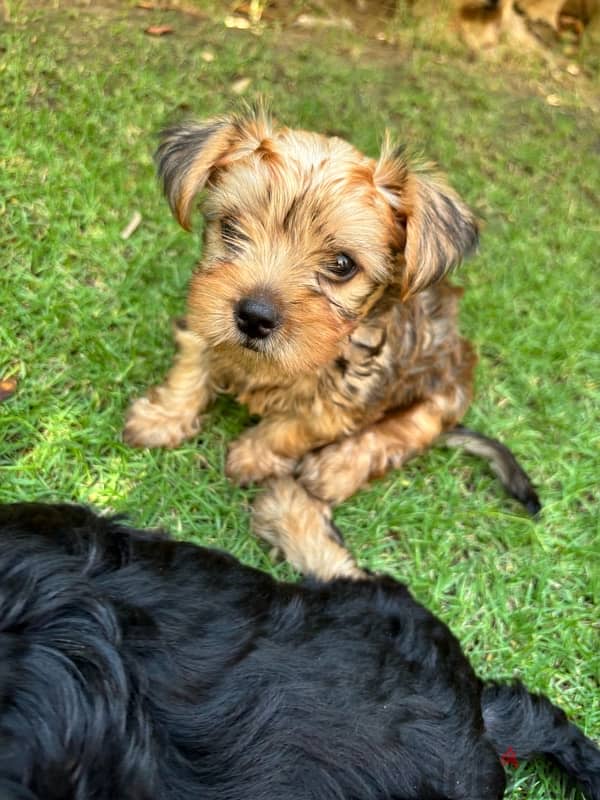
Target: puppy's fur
{"x": 320, "y": 303}
{"x": 132, "y": 666}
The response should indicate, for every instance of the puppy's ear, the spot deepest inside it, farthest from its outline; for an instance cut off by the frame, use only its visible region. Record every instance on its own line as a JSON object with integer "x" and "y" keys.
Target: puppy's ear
{"x": 191, "y": 152}
{"x": 439, "y": 229}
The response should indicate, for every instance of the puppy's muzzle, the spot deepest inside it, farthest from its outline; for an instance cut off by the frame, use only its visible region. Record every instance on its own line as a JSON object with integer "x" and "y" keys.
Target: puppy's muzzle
{"x": 256, "y": 317}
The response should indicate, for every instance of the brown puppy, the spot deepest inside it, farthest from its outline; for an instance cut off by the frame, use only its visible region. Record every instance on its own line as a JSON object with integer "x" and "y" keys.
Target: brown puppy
{"x": 320, "y": 303}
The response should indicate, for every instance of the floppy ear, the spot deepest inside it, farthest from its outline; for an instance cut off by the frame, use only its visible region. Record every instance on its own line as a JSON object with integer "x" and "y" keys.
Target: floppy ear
{"x": 191, "y": 152}
{"x": 439, "y": 228}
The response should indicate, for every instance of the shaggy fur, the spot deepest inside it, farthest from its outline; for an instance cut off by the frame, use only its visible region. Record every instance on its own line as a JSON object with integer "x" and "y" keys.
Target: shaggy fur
{"x": 133, "y": 667}
{"x": 320, "y": 303}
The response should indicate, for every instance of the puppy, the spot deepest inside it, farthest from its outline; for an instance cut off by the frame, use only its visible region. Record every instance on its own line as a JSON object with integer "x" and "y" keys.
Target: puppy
{"x": 321, "y": 304}
{"x": 134, "y": 666}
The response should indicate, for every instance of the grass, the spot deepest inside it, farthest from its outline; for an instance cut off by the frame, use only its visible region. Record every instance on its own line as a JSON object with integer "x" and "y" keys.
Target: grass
{"x": 85, "y": 316}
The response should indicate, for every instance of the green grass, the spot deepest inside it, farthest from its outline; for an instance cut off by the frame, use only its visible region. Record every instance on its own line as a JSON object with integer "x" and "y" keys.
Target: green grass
{"x": 85, "y": 317}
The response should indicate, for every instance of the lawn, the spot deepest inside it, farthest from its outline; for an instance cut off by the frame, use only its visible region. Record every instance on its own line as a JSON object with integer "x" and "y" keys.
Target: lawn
{"x": 85, "y": 315}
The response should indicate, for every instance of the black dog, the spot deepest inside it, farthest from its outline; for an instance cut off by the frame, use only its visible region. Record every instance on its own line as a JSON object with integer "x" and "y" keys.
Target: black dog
{"x": 134, "y": 667}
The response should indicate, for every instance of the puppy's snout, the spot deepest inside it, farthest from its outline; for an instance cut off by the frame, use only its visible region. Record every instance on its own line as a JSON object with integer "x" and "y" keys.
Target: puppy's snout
{"x": 256, "y": 317}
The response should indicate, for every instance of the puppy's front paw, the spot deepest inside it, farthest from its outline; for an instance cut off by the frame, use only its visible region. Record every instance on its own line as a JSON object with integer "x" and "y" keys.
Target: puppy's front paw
{"x": 337, "y": 471}
{"x": 250, "y": 461}
{"x": 151, "y": 424}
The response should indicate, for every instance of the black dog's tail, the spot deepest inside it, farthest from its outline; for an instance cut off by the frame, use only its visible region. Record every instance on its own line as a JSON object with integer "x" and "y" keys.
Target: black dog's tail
{"x": 521, "y": 724}
{"x": 512, "y": 475}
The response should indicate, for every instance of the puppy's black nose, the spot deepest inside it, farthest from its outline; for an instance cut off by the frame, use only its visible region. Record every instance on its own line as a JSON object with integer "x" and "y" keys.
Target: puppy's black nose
{"x": 257, "y": 317}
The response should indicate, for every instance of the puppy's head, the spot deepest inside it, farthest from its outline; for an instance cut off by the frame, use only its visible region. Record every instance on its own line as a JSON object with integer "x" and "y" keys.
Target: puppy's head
{"x": 303, "y": 235}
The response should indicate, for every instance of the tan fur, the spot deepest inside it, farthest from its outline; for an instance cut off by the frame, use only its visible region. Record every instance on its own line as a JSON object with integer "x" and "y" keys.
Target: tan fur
{"x": 169, "y": 413}
{"x": 371, "y": 452}
{"x": 370, "y": 369}
{"x": 286, "y": 516}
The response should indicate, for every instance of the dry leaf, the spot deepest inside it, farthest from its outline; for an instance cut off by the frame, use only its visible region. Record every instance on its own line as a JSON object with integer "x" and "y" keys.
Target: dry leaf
{"x": 132, "y": 225}
{"x": 241, "y": 23}
{"x": 240, "y": 86}
{"x": 8, "y": 386}
{"x": 254, "y": 10}
{"x": 310, "y": 21}
{"x": 158, "y": 30}
{"x": 554, "y": 100}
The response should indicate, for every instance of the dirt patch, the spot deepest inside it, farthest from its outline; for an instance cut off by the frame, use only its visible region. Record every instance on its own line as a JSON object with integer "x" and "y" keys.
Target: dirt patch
{"x": 381, "y": 33}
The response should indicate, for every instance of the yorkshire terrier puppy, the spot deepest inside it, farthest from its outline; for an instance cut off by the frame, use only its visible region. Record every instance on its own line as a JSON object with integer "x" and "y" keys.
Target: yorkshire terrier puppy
{"x": 320, "y": 303}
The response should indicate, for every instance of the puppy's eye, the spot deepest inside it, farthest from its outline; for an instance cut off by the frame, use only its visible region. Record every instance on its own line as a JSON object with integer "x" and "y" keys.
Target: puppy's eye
{"x": 343, "y": 268}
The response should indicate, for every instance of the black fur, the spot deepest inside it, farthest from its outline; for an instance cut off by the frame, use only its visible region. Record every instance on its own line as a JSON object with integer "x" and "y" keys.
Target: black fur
{"x": 502, "y": 462}
{"x": 134, "y": 667}
{"x": 179, "y": 148}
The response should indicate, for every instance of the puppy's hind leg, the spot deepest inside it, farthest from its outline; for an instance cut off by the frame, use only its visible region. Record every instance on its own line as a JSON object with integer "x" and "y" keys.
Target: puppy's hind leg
{"x": 286, "y": 516}
{"x": 337, "y": 471}
{"x": 169, "y": 413}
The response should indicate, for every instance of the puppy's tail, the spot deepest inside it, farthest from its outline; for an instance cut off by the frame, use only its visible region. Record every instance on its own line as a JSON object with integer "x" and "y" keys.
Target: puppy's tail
{"x": 520, "y": 724}
{"x": 502, "y": 462}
